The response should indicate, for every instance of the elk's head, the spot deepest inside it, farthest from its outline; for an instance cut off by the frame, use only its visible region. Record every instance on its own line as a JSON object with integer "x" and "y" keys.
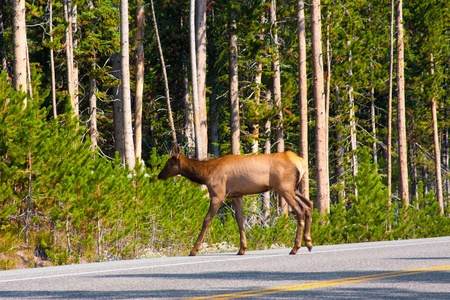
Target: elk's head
{"x": 172, "y": 166}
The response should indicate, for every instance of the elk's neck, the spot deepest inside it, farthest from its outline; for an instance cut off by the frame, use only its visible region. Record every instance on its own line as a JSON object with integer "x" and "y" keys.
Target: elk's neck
{"x": 194, "y": 170}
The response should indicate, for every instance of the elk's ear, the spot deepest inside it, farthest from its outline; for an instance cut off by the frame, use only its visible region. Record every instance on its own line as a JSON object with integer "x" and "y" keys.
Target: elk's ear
{"x": 176, "y": 151}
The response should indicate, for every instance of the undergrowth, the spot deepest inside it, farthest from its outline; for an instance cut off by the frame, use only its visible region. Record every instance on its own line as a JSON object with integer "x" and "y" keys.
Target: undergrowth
{"x": 62, "y": 203}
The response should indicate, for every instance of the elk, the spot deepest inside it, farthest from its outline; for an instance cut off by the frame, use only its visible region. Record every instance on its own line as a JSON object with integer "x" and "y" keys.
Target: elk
{"x": 234, "y": 176}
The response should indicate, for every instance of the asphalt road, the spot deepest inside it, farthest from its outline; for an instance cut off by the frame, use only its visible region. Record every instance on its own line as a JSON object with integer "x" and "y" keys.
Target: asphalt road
{"x": 408, "y": 269}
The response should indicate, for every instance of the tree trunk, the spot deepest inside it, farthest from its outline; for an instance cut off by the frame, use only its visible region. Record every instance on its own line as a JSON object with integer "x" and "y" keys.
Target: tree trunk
{"x": 20, "y": 47}
{"x": 52, "y": 63}
{"x": 189, "y": 132}
{"x": 279, "y": 138}
{"x": 267, "y": 147}
{"x": 255, "y": 126}
{"x": 340, "y": 171}
{"x": 374, "y": 128}
{"x": 129, "y": 157}
{"x": 437, "y": 150}
{"x": 446, "y": 154}
{"x": 69, "y": 55}
{"x": 401, "y": 114}
{"x": 389, "y": 120}
{"x": 93, "y": 113}
{"x": 200, "y": 43}
{"x": 234, "y": 92}
{"x": 75, "y": 81}
{"x": 353, "y": 140}
{"x": 303, "y": 94}
{"x": 166, "y": 81}
{"x": 323, "y": 185}
{"x": 138, "y": 43}
{"x": 117, "y": 107}
{"x": 93, "y": 133}
{"x": 199, "y": 147}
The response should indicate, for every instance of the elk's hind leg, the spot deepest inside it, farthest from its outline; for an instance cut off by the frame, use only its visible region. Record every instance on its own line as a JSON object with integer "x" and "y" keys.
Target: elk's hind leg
{"x": 239, "y": 215}
{"x": 213, "y": 207}
{"x": 290, "y": 199}
{"x": 307, "y": 208}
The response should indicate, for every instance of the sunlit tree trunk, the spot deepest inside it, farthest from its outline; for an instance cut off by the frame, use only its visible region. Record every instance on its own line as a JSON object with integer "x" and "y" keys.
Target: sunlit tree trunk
{"x": 353, "y": 140}
{"x": 279, "y": 135}
{"x": 234, "y": 92}
{"x": 129, "y": 156}
{"x": 267, "y": 147}
{"x": 20, "y": 47}
{"x": 321, "y": 151}
{"x": 200, "y": 44}
{"x": 437, "y": 149}
{"x": 93, "y": 133}
{"x": 52, "y": 63}
{"x": 389, "y": 120}
{"x": 68, "y": 14}
{"x": 139, "y": 52}
{"x": 199, "y": 149}
{"x": 303, "y": 93}
{"x": 401, "y": 110}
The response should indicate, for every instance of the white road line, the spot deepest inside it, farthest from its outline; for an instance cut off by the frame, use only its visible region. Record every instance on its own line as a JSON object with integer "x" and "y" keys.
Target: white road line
{"x": 221, "y": 260}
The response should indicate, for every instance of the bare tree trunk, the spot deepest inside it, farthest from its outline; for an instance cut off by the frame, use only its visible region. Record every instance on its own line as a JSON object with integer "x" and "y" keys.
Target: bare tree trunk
{"x": 401, "y": 110}
{"x": 117, "y": 107}
{"x": 267, "y": 146}
{"x": 353, "y": 140}
{"x": 93, "y": 133}
{"x": 75, "y": 81}
{"x": 234, "y": 89}
{"x": 255, "y": 127}
{"x": 340, "y": 171}
{"x": 279, "y": 135}
{"x": 389, "y": 120}
{"x": 93, "y": 113}
{"x": 69, "y": 55}
{"x": 323, "y": 185}
{"x": 303, "y": 93}
{"x": 189, "y": 132}
{"x": 374, "y": 127}
{"x": 138, "y": 43}
{"x": 446, "y": 154}
{"x": 437, "y": 150}
{"x": 166, "y": 81}
{"x": 52, "y": 64}
{"x": 20, "y": 47}
{"x": 129, "y": 157}
{"x": 200, "y": 43}
{"x": 199, "y": 147}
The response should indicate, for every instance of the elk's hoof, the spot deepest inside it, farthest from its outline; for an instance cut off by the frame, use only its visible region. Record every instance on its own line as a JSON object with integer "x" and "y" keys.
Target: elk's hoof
{"x": 309, "y": 247}
{"x": 293, "y": 252}
{"x": 192, "y": 254}
{"x": 241, "y": 252}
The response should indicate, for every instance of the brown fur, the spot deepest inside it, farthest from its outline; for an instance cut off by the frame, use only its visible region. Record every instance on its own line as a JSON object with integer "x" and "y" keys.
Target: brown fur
{"x": 234, "y": 176}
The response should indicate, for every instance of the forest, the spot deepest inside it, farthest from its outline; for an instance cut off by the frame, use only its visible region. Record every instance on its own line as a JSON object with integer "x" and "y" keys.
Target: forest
{"x": 94, "y": 93}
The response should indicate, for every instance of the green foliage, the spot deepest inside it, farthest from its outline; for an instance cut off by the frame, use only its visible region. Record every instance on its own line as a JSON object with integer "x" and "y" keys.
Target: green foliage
{"x": 369, "y": 217}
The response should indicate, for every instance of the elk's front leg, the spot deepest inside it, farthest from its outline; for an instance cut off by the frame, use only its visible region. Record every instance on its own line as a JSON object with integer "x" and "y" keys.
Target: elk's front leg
{"x": 239, "y": 215}
{"x": 213, "y": 207}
